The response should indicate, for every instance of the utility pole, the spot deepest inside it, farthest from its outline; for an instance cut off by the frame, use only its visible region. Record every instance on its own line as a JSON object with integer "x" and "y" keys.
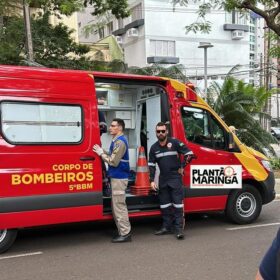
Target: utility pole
{"x": 267, "y": 82}
{"x": 261, "y": 70}
{"x": 29, "y": 45}
{"x": 205, "y": 46}
{"x": 277, "y": 104}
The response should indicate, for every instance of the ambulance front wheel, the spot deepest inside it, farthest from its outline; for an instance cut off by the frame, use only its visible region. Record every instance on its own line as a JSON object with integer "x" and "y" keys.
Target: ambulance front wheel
{"x": 244, "y": 206}
{"x": 7, "y": 238}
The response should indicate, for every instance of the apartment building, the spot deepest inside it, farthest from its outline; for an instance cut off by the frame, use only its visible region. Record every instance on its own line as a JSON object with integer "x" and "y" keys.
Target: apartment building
{"x": 155, "y": 33}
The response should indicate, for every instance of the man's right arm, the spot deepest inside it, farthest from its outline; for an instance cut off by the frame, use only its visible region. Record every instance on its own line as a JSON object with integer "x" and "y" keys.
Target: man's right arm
{"x": 114, "y": 159}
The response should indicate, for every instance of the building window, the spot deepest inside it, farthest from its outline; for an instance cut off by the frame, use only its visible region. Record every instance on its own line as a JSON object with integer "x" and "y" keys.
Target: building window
{"x": 32, "y": 123}
{"x": 252, "y": 38}
{"x": 110, "y": 27}
{"x": 101, "y": 32}
{"x": 235, "y": 17}
{"x": 252, "y": 48}
{"x": 162, "y": 48}
{"x": 136, "y": 12}
{"x": 252, "y": 29}
{"x": 252, "y": 20}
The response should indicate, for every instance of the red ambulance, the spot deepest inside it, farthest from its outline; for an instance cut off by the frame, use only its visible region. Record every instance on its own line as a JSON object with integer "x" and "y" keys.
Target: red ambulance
{"x": 49, "y": 124}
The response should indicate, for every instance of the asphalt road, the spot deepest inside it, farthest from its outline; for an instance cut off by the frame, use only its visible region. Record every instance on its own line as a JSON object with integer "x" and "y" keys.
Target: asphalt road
{"x": 213, "y": 249}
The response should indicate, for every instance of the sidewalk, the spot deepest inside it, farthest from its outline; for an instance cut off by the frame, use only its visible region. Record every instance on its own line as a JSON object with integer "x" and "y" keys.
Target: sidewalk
{"x": 277, "y": 187}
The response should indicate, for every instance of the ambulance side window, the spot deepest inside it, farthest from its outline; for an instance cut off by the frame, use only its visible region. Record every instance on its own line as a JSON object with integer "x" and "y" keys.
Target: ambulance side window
{"x": 32, "y": 123}
{"x": 202, "y": 128}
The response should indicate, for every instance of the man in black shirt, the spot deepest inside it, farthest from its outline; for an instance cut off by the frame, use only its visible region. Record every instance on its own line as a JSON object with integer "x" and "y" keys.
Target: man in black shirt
{"x": 166, "y": 154}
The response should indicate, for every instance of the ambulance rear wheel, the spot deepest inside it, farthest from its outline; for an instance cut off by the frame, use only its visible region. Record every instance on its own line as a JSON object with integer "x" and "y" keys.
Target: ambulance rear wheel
{"x": 7, "y": 238}
{"x": 244, "y": 206}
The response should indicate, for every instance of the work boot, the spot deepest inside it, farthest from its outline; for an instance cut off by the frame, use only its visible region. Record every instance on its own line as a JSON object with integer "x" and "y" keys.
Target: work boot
{"x": 180, "y": 234}
{"x": 122, "y": 238}
{"x": 163, "y": 231}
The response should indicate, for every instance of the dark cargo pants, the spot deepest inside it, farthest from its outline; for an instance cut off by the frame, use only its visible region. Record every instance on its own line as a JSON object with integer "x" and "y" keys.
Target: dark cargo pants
{"x": 172, "y": 206}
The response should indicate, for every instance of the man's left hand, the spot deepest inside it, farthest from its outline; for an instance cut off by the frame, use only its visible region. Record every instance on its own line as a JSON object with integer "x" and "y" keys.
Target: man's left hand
{"x": 189, "y": 158}
{"x": 181, "y": 171}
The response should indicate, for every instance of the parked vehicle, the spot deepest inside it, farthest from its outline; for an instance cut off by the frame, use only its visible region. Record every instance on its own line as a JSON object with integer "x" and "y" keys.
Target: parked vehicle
{"x": 275, "y": 131}
{"x": 49, "y": 124}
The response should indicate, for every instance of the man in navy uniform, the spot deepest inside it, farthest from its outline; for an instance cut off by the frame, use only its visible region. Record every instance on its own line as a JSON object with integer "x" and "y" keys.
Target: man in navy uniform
{"x": 166, "y": 154}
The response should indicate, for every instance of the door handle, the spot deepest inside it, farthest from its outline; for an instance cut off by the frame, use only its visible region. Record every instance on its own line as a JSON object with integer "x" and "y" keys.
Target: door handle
{"x": 87, "y": 158}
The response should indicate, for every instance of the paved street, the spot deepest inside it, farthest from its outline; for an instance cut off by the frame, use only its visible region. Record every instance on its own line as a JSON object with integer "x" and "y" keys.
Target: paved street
{"x": 213, "y": 249}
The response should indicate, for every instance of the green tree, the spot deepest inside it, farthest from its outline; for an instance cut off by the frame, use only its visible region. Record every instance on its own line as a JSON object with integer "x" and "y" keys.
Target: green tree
{"x": 118, "y": 8}
{"x": 53, "y": 45}
{"x": 174, "y": 71}
{"x": 239, "y": 104}
{"x": 12, "y": 39}
{"x": 67, "y": 7}
{"x": 267, "y": 9}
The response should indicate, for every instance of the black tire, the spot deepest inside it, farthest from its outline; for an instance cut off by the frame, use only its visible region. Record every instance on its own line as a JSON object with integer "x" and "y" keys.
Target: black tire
{"x": 244, "y": 206}
{"x": 7, "y": 238}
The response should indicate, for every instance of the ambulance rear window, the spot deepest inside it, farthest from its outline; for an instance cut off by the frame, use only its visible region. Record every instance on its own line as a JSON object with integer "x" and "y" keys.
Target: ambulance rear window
{"x": 33, "y": 123}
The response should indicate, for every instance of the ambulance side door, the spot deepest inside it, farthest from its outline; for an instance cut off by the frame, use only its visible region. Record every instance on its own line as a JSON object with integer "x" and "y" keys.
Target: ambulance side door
{"x": 208, "y": 139}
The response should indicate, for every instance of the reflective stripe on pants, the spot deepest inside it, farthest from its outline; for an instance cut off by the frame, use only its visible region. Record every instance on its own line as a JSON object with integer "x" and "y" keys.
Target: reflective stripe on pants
{"x": 172, "y": 206}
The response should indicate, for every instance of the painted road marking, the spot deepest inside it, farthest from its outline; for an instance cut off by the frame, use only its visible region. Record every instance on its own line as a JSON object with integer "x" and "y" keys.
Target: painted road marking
{"x": 254, "y": 226}
{"x": 21, "y": 255}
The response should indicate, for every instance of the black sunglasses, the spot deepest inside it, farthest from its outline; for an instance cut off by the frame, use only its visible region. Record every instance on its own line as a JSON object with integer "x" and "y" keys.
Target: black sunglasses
{"x": 161, "y": 131}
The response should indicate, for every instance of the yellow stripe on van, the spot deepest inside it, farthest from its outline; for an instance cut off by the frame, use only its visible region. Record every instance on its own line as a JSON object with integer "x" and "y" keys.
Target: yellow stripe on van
{"x": 252, "y": 165}
{"x": 178, "y": 86}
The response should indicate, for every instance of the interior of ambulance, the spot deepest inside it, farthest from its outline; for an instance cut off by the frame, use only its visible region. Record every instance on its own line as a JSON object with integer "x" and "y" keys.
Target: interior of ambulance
{"x": 141, "y": 105}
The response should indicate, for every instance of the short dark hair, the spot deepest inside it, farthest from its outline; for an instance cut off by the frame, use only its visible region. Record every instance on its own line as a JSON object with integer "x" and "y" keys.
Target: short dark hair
{"x": 161, "y": 124}
{"x": 120, "y": 122}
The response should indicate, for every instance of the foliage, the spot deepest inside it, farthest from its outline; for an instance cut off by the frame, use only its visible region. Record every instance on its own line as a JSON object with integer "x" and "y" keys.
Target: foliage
{"x": 237, "y": 103}
{"x": 274, "y": 50}
{"x": 174, "y": 72}
{"x": 118, "y": 8}
{"x": 12, "y": 40}
{"x": 275, "y": 163}
{"x": 53, "y": 45}
{"x": 8, "y": 7}
{"x": 267, "y": 9}
{"x": 67, "y": 7}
